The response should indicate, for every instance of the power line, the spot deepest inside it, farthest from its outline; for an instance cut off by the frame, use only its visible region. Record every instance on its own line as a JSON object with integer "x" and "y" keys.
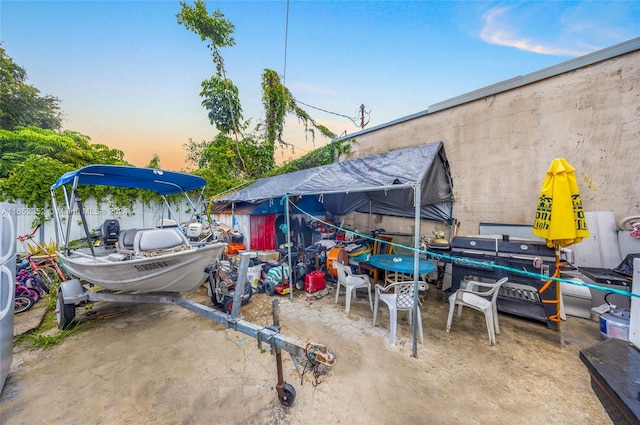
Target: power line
{"x": 286, "y": 39}
{"x": 353, "y": 120}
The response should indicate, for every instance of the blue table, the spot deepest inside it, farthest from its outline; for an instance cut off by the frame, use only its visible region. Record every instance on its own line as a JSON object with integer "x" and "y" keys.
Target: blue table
{"x": 401, "y": 263}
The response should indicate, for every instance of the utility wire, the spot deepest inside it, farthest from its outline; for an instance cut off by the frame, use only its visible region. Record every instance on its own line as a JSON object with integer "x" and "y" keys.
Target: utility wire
{"x": 353, "y": 120}
{"x": 286, "y": 39}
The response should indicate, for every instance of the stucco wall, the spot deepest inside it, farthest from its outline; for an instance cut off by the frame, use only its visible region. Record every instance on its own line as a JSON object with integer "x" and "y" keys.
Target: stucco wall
{"x": 499, "y": 147}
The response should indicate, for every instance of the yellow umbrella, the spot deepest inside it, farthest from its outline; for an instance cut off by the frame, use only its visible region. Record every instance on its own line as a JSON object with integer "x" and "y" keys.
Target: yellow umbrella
{"x": 560, "y": 219}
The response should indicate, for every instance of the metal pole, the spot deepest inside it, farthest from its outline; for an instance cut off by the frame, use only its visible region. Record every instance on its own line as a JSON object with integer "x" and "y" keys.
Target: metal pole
{"x": 278, "y": 352}
{"x": 286, "y": 213}
{"x": 416, "y": 268}
{"x": 239, "y": 289}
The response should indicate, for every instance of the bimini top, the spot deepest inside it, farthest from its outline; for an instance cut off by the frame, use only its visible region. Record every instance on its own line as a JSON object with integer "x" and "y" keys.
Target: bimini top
{"x": 160, "y": 181}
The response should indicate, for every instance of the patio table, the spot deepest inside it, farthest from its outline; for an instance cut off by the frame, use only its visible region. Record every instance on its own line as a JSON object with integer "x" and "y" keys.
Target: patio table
{"x": 401, "y": 263}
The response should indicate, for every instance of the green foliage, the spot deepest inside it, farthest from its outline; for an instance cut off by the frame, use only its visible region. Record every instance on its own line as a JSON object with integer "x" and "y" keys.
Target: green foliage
{"x": 321, "y": 156}
{"x": 221, "y": 166}
{"x": 30, "y": 180}
{"x": 155, "y": 162}
{"x": 278, "y": 102}
{"x": 214, "y": 29}
{"x": 22, "y": 104}
{"x": 224, "y": 162}
{"x": 222, "y": 99}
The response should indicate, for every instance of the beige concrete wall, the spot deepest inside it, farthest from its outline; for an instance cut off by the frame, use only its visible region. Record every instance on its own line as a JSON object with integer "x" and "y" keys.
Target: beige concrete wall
{"x": 500, "y": 147}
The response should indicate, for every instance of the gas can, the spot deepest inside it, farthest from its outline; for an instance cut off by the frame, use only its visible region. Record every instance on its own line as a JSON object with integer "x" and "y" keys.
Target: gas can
{"x": 314, "y": 282}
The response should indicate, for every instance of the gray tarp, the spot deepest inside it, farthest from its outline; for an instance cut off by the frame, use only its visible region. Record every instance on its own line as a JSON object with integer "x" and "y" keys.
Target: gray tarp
{"x": 367, "y": 184}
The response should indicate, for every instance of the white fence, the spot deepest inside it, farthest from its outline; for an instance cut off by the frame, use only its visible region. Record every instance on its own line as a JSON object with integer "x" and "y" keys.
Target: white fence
{"x": 139, "y": 216}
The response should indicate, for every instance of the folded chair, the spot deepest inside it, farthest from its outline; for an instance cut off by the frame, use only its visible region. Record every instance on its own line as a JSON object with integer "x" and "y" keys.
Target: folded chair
{"x": 481, "y": 296}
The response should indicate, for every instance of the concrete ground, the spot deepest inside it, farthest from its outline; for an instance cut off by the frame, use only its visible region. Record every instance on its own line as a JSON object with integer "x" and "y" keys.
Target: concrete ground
{"x": 161, "y": 364}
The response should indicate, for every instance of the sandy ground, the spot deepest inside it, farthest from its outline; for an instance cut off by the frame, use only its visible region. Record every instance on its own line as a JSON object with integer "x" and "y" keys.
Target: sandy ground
{"x": 161, "y": 364}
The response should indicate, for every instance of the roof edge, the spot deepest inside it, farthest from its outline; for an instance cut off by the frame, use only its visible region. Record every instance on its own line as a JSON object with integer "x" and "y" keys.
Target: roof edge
{"x": 521, "y": 80}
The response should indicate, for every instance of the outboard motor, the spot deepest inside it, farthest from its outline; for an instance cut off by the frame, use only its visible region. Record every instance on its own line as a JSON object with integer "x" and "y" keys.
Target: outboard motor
{"x": 109, "y": 232}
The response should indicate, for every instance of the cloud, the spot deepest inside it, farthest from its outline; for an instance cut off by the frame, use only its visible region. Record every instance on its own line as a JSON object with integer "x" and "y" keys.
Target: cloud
{"x": 500, "y": 28}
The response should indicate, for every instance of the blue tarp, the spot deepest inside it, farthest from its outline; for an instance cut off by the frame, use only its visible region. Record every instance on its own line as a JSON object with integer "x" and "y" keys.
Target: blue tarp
{"x": 160, "y": 181}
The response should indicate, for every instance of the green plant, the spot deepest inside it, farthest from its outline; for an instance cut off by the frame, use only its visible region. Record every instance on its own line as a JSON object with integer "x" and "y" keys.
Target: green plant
{"x": 47, "y": 335}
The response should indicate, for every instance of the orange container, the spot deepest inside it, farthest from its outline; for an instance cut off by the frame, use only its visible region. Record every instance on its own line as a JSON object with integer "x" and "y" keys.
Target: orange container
{"x": 234, "y": 247}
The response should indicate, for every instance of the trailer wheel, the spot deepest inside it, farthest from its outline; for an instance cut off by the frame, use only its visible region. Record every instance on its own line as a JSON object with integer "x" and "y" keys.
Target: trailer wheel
{"x": 269, "y": 288}
{"x": 289, "y": 395}
{"x": 65, "y": 313}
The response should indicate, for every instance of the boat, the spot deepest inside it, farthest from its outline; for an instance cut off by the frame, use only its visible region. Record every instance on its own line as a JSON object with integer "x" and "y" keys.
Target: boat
{"x": 160, "y": 259}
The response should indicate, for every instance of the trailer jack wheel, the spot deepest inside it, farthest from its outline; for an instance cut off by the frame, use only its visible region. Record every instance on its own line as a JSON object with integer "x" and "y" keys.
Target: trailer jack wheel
{"x": 289, "y": 395}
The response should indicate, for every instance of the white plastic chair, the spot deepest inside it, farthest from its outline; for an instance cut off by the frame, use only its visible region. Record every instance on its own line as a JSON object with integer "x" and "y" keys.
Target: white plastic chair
{"x": 351, "y": 282}
{"x": 481, "y": 300}
{"x": 400, "y": 299}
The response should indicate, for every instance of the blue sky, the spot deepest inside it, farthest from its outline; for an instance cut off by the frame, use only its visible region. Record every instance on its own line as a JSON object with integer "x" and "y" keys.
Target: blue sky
{"x": 128, "y": 75}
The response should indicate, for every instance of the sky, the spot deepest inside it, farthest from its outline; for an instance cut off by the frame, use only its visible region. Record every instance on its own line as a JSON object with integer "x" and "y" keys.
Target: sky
{"x": 128, "y": 75}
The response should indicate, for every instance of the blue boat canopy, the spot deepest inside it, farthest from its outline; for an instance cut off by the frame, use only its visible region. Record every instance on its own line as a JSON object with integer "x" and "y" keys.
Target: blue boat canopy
{"x": 160, "y": 181}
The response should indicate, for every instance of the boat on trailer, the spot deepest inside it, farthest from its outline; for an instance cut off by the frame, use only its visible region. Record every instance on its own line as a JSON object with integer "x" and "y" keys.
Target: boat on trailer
{"x": 154, "y": 265}
{"x": 160, "y": 259}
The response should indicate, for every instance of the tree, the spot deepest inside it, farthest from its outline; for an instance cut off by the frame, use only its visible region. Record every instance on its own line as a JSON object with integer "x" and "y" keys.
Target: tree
{"x": 222, "y": 99}
{"x": 249, "y": 157}
{"x": 22, "y": 105}
{"x": 31, "y": 159}
{"x": 155, "y": 162}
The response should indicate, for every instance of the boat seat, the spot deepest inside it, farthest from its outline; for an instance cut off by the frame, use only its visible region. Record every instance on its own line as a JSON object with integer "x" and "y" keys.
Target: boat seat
{"x": 150, "y": 242}
{"x": 126, "y": 239}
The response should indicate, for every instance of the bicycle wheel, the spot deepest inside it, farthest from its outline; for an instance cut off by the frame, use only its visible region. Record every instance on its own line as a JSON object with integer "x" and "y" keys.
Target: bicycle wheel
{"x": 41, "y": 284}
{"x": 48, "y": 274}
{"x": 22, "y": 303}
{"x": 23, "y": 291}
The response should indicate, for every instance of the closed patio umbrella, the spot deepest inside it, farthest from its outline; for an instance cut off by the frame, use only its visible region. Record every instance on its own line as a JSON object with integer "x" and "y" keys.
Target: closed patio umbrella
{"x": 560, "y": 218}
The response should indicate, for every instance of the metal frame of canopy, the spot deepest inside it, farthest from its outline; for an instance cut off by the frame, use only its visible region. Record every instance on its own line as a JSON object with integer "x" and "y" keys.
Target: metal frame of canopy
{"x": 394, "y": 172}
{"x": 417, "y": 198}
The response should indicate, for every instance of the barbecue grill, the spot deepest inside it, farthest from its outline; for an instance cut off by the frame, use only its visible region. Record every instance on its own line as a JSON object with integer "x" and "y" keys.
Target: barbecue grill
{"x": 476, "y": 257}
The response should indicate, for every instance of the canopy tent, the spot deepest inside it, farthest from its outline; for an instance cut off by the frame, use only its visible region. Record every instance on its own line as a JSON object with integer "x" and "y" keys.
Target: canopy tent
{"x": 413, "y": 182}
{"x": 378, "y": 184}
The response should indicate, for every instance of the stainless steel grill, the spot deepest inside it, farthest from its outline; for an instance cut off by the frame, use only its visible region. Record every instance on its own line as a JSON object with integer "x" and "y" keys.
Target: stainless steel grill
{"x": 492, "y": 258}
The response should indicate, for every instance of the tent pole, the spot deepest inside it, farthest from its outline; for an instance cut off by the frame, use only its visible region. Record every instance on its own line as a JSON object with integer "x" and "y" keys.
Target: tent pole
{"x": 286, "y": 213}
{"x": 416, "y": 262}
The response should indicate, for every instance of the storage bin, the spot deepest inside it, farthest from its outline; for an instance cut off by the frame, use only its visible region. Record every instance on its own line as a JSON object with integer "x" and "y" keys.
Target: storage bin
{"x": 233, "y": 247}
{"x": 268, "y": 256}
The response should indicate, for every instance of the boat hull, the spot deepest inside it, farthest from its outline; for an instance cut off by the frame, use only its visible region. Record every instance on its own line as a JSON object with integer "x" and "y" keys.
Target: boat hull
{"x": 176, "y": 272}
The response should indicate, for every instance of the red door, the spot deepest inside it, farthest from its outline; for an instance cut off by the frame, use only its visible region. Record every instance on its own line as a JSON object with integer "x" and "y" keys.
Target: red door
{"x": 263, "y": 231}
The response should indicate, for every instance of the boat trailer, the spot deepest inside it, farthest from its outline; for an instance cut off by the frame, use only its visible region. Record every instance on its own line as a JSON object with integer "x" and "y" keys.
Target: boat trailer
{"x": 72, "y": 293}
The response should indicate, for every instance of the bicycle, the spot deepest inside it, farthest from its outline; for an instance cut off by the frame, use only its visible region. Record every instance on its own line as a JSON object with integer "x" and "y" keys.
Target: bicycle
{"x": 45, "y": 265}
{"x": 23, "y": 291}
{"x": 22, "y": 303}
{"x": 31, "y": 281}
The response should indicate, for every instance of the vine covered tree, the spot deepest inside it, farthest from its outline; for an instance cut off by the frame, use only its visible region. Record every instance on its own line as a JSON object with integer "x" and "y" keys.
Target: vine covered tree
{"x": 245, "y": 157}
